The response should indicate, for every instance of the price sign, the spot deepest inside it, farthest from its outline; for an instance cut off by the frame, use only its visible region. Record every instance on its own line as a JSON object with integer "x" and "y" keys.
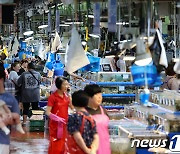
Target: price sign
{"x": 156, "y": 88}
{"x": 125, "y": 76}
{"x": 121, "y": 88}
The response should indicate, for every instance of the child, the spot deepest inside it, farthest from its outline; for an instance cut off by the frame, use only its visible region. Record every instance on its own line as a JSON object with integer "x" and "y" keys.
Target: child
{"x": 82, "y": 137}
{"x": 5, "y": 120}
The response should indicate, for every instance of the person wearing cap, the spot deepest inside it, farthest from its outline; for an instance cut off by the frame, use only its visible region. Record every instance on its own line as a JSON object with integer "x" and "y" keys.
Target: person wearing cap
{"x": 30, "y": 90}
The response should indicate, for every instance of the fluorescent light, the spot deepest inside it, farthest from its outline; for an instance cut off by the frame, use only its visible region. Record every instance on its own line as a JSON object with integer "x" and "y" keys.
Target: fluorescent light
{"x": 75, "y": 23}
{"x": 125, "y": 41}
{"x": 145, "y": 37}
{"x": 110, "y": 56}
{"x": 122, "y": 23}
{"x": 64, "y": 25}
{"x": 28, "y": 33}
{"x": 129, "y": 58}
{"x": 53, "y": 6}
{"x": 94, "y": 35}
{"x": 84, "y": 43}
{"x": 90, "y": 16}
{"x": 126, "y": 58}
{"x": 143, "y": 62}
{"x": 60, "y": 4}
{"x": 29, "y": 38}
{"x": 175, "y": 59}
{"x": 43, "y": 26}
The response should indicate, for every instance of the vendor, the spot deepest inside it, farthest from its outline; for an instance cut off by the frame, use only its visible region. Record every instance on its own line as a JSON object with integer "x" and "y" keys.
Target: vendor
{"x": 57, "y": 107}
{"x": 100, "y": 116}
{"x": 171, "y": 81}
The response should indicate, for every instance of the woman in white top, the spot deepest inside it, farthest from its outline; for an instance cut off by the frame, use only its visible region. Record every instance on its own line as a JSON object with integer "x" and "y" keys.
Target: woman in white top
{"x": 13, "y": 76}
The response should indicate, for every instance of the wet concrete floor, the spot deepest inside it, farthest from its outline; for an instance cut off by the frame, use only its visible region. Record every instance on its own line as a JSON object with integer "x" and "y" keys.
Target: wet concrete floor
{"x": 29, "y": 143}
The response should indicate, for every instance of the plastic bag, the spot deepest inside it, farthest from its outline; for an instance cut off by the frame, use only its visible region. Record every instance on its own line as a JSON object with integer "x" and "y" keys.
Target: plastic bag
{"x": 142, "y": 73}
{"x": 94, "y": 65}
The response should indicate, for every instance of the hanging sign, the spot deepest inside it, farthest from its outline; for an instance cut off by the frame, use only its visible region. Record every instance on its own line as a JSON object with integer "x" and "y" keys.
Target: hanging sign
{"x": 112, "y": 16}
{"x": 49, "y": 21}
{"x": 57, "y": 20}
{"x": 96, "y": 28}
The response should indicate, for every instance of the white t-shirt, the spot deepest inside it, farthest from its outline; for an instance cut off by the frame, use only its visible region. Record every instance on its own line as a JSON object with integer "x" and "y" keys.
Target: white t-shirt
{"x": 13, "y": 76}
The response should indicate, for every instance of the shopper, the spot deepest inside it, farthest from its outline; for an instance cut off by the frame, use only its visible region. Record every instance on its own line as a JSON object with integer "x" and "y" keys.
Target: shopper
{"x": 24, "y": 64}
{"x": 57, "y": 110}
{"x": 5, "y": 113}
{"x": 82, "y": 136}
{"x": 171, "y": 82}
{"x": 30, "y": 90}
{"x": 100, "y": 116}
{"x": 13, "y": 76}
{"x": 12, "y": 103}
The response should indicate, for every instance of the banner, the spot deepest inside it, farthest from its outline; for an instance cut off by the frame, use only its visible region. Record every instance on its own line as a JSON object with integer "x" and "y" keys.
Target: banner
{"x": 96, "y": 28}
{"x": 75, "y": 57}
{"x": 57, "y": 20}
{"x": 41, "y": 50}
{"x": 163, "y": 59}
{"x": 56, "y": 44}
{"x": 15, "y": 46}
{"x": 49, "y": 21}
{"x": 112, "y": 16}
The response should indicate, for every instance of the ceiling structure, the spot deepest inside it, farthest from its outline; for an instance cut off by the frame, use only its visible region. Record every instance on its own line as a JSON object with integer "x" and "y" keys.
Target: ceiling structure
{"x": 33, "y": 13}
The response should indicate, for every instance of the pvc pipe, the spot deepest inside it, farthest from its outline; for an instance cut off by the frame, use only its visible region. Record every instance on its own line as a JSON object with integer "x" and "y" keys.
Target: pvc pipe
{"x": 118, "y": 95}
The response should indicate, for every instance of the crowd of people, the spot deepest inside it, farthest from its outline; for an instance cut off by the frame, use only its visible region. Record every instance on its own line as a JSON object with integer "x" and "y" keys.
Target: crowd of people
{"x": 84, "y": 130}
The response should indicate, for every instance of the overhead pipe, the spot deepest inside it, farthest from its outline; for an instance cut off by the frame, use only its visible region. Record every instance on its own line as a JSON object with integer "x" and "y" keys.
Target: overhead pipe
{"x": 175, "y": 29}
{"x": 149, "y": 17}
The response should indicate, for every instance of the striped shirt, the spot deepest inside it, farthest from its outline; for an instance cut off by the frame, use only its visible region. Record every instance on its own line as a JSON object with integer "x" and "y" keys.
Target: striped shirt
{"x": 9, "y": 87}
